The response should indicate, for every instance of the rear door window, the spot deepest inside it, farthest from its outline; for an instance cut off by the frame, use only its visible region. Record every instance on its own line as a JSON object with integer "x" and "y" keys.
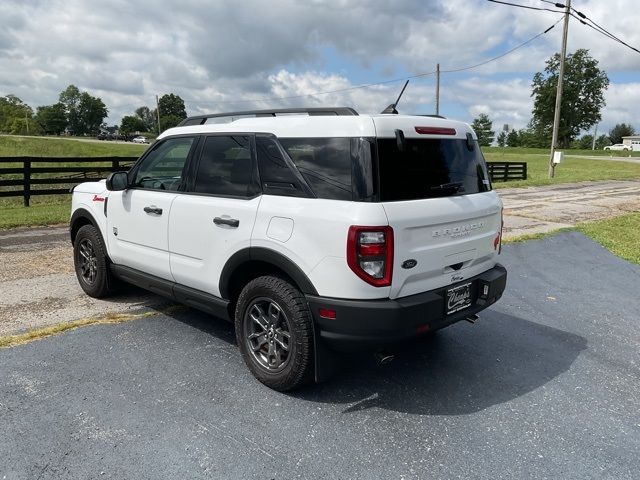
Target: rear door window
{"x": 226, "y": 167}
{"x": 430, "y": 168}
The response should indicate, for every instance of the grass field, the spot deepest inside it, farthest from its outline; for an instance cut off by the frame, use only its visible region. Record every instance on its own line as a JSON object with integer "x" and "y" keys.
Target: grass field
{"x": 571, "y": 170}
{"x": 12, "y": 146}
{"x": 51, "y": 209}
{"x": 620, "y": 235}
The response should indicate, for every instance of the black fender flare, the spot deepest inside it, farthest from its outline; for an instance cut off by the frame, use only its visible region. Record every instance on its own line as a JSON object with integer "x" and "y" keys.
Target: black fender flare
{"x": 265, "y": 255}
{"x": 84, "y": 214}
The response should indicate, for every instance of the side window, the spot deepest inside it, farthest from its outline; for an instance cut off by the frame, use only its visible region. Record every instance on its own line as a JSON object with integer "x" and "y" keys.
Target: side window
{"x": 325, "y": 163}
{"x": 275, "y": 174}
{"x": 162, "y": 168}
{"x": 226, "y": 167}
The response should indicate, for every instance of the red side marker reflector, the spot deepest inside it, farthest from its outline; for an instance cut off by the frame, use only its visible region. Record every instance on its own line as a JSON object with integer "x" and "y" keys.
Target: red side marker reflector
{"x": 423, "y": 328}
{"x": 435, "y": 131}
{"x": 327, "y": 313}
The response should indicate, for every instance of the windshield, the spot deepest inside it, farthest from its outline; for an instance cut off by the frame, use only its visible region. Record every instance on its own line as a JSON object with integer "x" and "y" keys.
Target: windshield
{"x": 430, "y": 168}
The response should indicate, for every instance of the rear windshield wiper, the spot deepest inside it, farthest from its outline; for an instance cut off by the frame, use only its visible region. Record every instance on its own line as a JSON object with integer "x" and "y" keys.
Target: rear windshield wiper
{"x": 456, "y": 186}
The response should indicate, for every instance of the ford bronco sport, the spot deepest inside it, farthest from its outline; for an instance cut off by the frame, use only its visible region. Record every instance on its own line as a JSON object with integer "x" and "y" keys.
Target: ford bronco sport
{"x": 314, "y": 230}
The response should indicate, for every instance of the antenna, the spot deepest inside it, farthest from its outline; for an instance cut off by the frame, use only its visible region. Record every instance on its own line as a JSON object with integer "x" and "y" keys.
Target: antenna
{"x": 392, "y": 108}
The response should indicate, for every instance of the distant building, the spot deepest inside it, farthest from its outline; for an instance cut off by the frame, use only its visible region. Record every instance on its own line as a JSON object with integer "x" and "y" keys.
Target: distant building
{"x": 633, "y": 141}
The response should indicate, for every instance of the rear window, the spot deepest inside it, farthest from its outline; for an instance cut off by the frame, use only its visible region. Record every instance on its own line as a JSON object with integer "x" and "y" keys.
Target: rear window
{"x": 430, "y": 168}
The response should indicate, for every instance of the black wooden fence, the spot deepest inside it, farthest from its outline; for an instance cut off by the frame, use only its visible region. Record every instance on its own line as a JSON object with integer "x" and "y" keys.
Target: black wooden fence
{"x": 48, "y": 173}
{"x": 52, "y": 173}
{"x": 507, "y": 171}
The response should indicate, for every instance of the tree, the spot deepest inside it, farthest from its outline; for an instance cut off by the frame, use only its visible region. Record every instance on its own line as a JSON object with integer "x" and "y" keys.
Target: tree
{"x": 84, "y": 113}
{"x": 583, "y": 143}
{"x": 131, "y": 124}
{"x": 502, "y": 139}
{"x": 513, "y": 139}
{"x": 172, "y": 110}
{"x": 15, "y": 116}
{"x": 51, "y": 118}
{"x": 169, "y": 121}
{"x": 582, "y": 96}
{"x": 482, "y": 126}
{"x": 602, "y": 141}
{"x": 92, "y": 111}
{"x": 619, "y": 131}
{"x": 148, "y": 118}
{"x": 70, "y": 98}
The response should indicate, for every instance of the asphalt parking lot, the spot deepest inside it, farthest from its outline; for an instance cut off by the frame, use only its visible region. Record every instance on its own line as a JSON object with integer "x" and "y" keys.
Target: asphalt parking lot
{"x": 545, "y": 385}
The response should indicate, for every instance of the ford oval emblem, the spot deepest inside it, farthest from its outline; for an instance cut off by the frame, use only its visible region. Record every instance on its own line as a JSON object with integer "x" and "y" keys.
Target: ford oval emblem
{"x": 409, "y": 263}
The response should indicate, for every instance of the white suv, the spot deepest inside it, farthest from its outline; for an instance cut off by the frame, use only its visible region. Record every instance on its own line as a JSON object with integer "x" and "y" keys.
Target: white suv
{"x": 315, "y": 232}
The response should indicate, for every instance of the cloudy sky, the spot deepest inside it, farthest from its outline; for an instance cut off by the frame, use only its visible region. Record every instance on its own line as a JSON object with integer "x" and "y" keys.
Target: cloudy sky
{"x": 222, "y": 55}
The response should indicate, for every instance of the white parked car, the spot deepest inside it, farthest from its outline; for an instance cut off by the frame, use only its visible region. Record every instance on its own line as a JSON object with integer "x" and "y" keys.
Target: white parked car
{"x": 140, "y": 139}
{"x": 618, "y": 146}
{"x": 313, "y": 233}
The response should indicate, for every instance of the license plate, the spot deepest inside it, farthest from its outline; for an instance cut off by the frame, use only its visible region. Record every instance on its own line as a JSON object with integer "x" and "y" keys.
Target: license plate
{"x": 458, "y": 298}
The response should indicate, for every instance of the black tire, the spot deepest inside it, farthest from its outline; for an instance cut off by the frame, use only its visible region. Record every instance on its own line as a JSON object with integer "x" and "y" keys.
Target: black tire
{"x": 91, "y": 264}
{"x": 285, "y": 320}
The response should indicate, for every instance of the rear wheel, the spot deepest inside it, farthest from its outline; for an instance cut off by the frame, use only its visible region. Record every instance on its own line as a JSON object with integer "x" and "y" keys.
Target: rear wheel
{"x": 90, "y": 261}
{"x": 274, "y": 333}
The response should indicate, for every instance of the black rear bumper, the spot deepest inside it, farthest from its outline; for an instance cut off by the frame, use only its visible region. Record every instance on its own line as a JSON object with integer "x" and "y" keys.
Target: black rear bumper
{"x": 365, "y": 324}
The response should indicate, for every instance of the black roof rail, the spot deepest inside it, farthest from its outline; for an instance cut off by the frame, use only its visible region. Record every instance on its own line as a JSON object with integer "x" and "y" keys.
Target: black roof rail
{"x": 319, "y": 111}
{"x": 430, "y": 115}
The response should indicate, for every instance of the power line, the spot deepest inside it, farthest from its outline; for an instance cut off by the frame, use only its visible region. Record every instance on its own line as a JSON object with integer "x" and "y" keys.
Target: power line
{"x": 528, "y": 7}
{"x": 356, "y": 87}
{"x": 600, "y": 29}
{"x": 505, "y": 53}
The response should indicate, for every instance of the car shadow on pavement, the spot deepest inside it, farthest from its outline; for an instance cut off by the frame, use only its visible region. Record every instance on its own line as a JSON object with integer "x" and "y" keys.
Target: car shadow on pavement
{"x": 461, "y": 370}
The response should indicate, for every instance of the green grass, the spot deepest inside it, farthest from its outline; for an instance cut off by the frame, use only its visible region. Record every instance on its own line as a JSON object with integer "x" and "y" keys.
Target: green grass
{"x": 569, "y": 171}
{"x": 620, "y": 235}
{"x": 12, "y": 146}
{"x": 41, "y": 212}
{"x": 55, "y": 208}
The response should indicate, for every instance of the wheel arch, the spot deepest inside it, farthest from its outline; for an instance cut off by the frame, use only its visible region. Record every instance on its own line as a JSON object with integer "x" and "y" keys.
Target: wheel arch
{"x": 253, "y": 262}
{"x": 79, "y": 219}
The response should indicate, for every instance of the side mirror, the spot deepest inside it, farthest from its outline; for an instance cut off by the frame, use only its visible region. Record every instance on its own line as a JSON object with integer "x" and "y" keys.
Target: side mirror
{"x": 117, "y": 181}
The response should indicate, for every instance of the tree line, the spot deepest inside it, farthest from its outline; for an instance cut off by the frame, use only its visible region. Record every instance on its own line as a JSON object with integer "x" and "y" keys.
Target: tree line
{"x": 581, "y": 107}
{"x": 79, "y": 113}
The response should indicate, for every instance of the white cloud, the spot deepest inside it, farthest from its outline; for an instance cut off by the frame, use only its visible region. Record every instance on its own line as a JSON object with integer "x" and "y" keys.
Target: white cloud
{"x": 227, "y": 54}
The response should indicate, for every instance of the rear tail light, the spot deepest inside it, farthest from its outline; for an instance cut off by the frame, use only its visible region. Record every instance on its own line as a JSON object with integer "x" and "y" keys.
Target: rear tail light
{"x": 497, "y": 242}
{"x": 370, "y": 254}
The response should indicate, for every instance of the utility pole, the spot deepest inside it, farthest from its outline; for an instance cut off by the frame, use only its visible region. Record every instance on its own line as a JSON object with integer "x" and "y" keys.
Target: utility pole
{"x": 26, "y": 119}
{"x": 595, "y": 134}
{"x": 438, "y": 89}
{"x": 556, "y": 116}
{"x": 158, "y": 113}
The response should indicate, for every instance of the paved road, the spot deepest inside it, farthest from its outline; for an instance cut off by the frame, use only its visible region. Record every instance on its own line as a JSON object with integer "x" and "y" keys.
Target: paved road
{"x": 545, "y": 385}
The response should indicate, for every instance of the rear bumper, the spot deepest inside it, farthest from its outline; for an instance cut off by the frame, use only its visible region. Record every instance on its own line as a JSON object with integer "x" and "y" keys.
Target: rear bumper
{"x": 366, "y": 324}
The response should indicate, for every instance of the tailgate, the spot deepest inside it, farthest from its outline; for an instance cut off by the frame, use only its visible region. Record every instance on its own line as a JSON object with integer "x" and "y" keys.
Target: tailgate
{"x": 446, "y": 240}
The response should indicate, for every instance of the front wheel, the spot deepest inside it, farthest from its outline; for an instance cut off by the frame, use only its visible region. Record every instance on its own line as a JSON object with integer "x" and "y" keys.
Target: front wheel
{"x": 274, "y": 331}
{"x": 90, "y": 261}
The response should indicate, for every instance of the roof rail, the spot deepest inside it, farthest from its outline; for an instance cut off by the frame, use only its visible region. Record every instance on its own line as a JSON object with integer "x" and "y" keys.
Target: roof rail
{"x": 202, "y": 119}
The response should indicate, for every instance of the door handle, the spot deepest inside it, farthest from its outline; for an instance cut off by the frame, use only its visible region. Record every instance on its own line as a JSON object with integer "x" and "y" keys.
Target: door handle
{"x": 154, "y": 210}
{"x": 232, "y": 222}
